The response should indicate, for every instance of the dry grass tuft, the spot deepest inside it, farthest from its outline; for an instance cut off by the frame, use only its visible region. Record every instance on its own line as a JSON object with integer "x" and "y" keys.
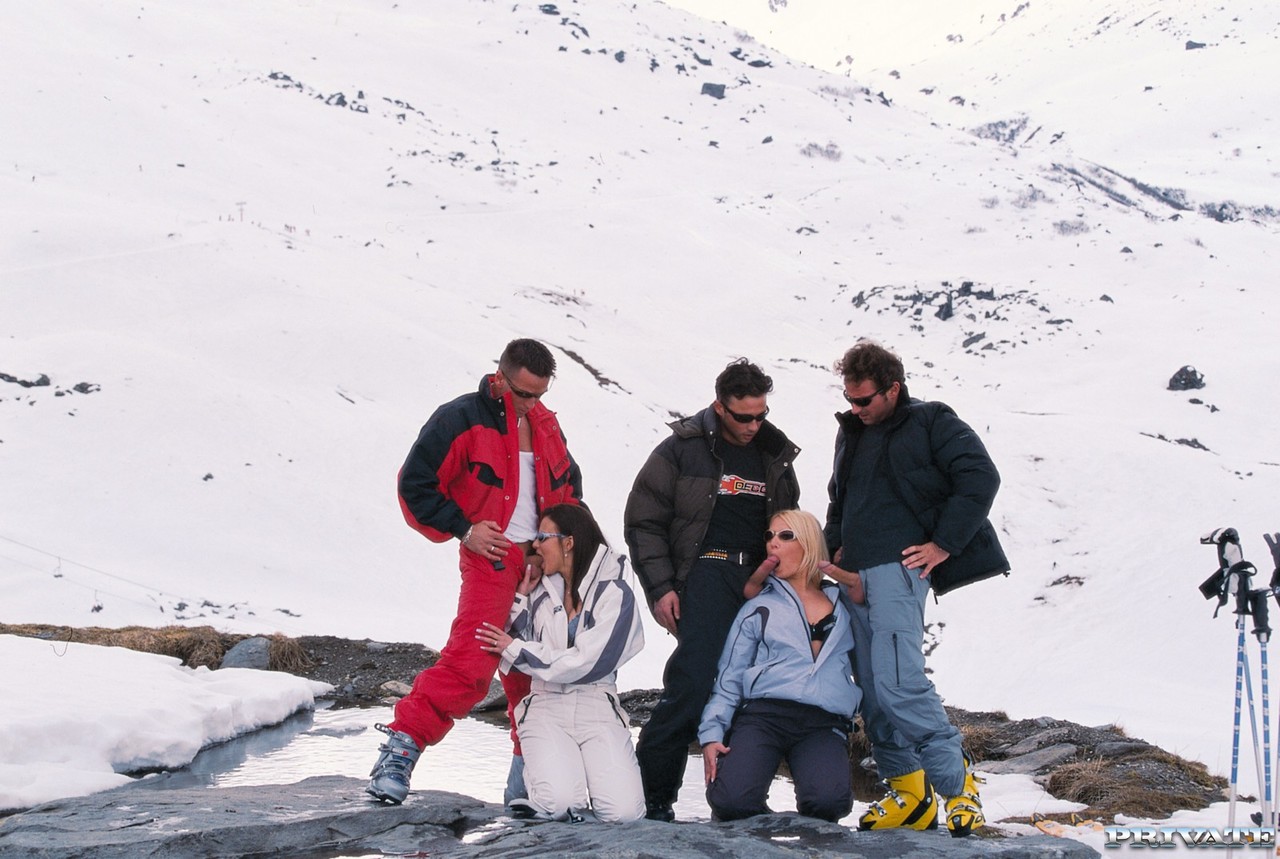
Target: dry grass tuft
{"x": 196, "y": 646}
{"x": 1124, "y": 785}
{"x": 286, "y": 654}
{"x": 979, "y": 740}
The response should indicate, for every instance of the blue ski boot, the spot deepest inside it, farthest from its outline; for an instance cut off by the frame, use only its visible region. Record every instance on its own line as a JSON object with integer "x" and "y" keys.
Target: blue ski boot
{"x": 390, "y": 775}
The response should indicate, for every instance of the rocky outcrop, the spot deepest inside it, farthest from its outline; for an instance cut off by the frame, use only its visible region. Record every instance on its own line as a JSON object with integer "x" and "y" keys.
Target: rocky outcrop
{"x": 330, "y": 815}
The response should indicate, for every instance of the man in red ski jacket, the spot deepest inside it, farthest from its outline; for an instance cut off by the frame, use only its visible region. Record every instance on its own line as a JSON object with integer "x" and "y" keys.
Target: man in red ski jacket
{"x": 483, "y": 468}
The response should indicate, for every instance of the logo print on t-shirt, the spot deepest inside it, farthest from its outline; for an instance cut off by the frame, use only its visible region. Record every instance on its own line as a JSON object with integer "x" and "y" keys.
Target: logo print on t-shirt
{"x": 732, "y": 484}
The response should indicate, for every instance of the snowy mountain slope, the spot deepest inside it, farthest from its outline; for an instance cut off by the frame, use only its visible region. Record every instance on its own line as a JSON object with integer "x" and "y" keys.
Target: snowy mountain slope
{"x": 266, "y": 288}
{"x": 1171, "y": 105}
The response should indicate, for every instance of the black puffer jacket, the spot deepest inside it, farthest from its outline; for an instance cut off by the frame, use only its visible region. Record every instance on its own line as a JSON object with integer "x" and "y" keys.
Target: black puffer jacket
{"x": 674, "y": 495}
{"x": 941, "y": 471}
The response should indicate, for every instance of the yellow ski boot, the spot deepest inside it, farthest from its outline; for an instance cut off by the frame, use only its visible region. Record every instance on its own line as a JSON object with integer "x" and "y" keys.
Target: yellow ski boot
{"x": 909, "y": 802}
{"x": 964, "y": 811}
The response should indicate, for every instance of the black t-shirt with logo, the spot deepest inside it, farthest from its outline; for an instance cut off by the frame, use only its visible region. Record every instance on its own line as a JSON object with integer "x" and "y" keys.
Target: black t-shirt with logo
{"x": 740, "y": 516}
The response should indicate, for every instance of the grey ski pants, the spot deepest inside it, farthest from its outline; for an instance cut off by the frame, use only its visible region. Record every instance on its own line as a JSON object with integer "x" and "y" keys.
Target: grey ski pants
{"x": 905, "y": 721}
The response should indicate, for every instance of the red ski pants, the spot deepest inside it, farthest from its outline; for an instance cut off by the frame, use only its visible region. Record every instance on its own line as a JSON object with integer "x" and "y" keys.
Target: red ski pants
{"x": 461, "y": 676}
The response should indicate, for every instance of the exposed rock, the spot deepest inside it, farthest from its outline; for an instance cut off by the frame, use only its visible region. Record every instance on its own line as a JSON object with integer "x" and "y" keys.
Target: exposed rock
{"x": 1036, "y": 741}
{"x": 495, "y": 700}
{"x": 1186, "y": 379}
{"x": 395, "y": 688}
{"x": 713, "y": 90}
{"x": 250, "y": 653}
{"x": 330, "y": 815}
{"x": 1120, "y": 747}
{"x": 1032, "y": 762}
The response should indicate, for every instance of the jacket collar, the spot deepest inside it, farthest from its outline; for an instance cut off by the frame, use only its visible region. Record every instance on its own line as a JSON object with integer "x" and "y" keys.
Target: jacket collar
{"x": 500, "y": 406}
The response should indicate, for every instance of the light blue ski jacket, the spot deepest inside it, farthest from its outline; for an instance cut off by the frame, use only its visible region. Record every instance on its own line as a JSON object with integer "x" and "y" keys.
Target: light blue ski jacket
{"x": 768, "y": 655}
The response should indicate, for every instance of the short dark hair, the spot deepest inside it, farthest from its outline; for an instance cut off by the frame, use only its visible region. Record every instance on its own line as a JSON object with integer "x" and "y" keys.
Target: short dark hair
{"x": 869, "y": 360}
{"x": 742, "y": 379}
{"x": 576, "y": 521}
{"x": 530, "y": 355}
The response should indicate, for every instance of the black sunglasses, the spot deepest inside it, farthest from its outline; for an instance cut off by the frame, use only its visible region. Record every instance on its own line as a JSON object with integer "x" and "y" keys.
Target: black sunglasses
{"x": 544, "y": 535}
{"x": 784, "y": 536}
{"x": 863, "y": 402}
{"x": 524, "y": 395}
{"x": 745, "y": 418}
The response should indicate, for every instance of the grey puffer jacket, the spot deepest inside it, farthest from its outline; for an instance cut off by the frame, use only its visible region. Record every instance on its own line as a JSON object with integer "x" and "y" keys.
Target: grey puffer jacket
{"x": 675, "y": 493}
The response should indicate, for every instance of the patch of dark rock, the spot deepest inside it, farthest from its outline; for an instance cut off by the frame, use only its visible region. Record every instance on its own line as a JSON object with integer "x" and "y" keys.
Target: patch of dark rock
{"x": 1186, "y": 379}
{"x": 252, "y": 652}
{"x": 42, "y": 382}
{"x": 331, "y": 816}
{"x": 601, "y": 379}
{"x": 1131, "y": 775}
{"x": 1195, "y": 46}
{"x": 713, "y": 90}
{"x": 1067, "y": 580}
{"x": 1193, "y": 443}
{"x": 358, "y": 669}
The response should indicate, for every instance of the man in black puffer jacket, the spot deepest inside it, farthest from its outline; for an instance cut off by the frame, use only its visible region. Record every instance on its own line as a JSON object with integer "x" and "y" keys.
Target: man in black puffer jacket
{"x": 695, "y": 522}
{"x": 910, "y": 494}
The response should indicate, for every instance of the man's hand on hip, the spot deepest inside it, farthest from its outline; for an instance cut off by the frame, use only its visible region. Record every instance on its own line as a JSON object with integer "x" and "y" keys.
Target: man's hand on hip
{"x": 924, "y": 557}
{"x": 667, "y": 611}
{"x": 487, "y": 540}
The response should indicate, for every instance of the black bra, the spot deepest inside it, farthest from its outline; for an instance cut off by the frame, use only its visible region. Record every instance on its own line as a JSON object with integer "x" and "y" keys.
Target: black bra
{"x": 820, "y": 630}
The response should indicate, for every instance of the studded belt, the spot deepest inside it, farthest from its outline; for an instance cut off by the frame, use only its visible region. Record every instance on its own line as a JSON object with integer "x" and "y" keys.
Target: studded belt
{"x": 742, "y": 559}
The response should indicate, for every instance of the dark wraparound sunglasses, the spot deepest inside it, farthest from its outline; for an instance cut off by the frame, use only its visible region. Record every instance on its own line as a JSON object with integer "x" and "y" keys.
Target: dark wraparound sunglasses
{"x": 524, "y": 395}
{"x": 863, "y": 402}
{"x": 544, "y": 535}
{"x": 745, "y": 418}
{"x": 784, "y": 536}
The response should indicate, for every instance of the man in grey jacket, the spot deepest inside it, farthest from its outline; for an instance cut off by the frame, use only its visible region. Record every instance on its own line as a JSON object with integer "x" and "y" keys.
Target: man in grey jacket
{"x": 910, "y": 494}
{"x": 694, "y": 525}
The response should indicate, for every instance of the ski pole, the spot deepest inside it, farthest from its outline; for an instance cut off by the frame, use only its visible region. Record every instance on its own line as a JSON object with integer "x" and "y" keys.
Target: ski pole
{"x": 1225, "y": 582}
{"x": 1273, "y": 544}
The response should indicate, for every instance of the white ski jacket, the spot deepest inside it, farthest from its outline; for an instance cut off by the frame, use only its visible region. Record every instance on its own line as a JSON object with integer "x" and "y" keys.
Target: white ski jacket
{"x": 609, "y": 628}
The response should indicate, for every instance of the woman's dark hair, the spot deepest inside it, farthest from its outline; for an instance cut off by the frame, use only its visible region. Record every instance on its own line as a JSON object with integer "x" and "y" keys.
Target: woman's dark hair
{"x": 576, "y": 521}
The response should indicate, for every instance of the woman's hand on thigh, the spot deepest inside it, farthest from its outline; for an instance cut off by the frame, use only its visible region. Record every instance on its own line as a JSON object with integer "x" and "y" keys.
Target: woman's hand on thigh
{"x": 711, "y": 753}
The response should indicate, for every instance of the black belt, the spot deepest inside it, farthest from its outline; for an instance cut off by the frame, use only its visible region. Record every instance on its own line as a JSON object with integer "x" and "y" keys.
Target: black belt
{"x": 742, "y": 559}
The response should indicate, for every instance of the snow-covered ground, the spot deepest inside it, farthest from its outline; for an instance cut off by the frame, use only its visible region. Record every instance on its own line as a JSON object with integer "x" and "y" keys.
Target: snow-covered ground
{"x": 78, "y": 716}
{"x": 252, "y": 246}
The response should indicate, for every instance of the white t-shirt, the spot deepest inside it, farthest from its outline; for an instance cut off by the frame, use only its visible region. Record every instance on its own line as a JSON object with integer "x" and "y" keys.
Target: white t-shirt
{"x": 524, "y": 521}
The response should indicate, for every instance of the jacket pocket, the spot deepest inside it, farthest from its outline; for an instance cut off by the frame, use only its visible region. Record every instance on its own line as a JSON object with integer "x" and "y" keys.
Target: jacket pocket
{"x": 559, "y": 471}
{"x": 484, "y": 473}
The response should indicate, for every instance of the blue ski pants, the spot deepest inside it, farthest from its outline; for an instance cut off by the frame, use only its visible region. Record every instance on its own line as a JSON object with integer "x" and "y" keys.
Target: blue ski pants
{"x": 905, "y": 721}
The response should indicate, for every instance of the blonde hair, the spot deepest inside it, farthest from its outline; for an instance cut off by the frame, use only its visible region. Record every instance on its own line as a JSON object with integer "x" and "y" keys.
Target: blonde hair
{"x": 809, "y": 536}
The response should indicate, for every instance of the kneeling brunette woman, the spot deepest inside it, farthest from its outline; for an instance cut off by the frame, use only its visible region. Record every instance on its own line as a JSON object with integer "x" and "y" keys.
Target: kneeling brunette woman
{"x": 572, "y": 625}
{"x": 785, "y": 685}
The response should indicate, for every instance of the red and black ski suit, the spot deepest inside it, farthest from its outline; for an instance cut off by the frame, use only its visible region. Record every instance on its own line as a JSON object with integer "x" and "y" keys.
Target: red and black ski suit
{"x": 465, "y": 468}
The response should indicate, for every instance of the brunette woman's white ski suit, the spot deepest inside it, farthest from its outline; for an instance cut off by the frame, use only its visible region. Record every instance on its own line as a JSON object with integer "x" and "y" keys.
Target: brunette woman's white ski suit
{"x": 575, "y": 735}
